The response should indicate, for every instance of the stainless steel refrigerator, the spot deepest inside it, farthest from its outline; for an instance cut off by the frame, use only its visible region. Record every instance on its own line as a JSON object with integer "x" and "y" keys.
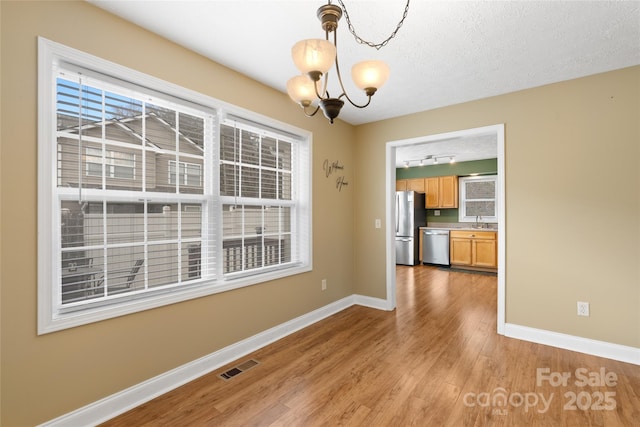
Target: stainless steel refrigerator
{"x": 410, "y": 215}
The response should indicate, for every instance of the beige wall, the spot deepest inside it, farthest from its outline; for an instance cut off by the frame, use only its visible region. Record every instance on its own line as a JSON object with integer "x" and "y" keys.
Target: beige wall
{"x": 43, "y": 377}
{"x": 572, "y": 161}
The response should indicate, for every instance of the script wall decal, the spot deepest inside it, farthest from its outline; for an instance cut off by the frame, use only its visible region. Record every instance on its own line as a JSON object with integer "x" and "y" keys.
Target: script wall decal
{"x": 334, "y": 168}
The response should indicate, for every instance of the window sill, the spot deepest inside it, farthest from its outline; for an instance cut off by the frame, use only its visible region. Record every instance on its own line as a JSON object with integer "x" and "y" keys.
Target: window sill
{"x": 69, "y": 318}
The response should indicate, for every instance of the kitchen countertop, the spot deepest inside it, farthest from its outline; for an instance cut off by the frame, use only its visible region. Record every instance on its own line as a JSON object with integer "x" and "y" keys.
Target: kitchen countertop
{"x": 450, "y": 228}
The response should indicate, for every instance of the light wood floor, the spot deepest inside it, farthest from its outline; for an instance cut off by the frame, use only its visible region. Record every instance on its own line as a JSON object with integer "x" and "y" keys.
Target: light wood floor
{"x": 435, "y": 361}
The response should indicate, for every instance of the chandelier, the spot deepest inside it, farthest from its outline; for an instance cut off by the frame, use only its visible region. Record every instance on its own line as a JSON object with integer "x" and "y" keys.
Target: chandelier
{"x": 314, "y": 58}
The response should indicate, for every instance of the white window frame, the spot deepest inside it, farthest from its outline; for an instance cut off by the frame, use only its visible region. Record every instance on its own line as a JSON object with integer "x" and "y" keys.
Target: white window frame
{"x": 51, "y": 317}
{"x": 463, "y": 199}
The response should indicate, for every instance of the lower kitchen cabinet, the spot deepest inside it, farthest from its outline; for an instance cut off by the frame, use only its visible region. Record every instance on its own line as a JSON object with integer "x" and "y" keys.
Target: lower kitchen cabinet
{"x": 484, "y": 253}
{"x": 459, "y": 251}
{"x": 474, "y": 248}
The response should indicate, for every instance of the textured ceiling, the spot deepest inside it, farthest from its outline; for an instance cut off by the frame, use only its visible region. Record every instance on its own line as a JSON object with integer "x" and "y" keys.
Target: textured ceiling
{"x": 476, "y": 147}
{"x": 447, "y": 52}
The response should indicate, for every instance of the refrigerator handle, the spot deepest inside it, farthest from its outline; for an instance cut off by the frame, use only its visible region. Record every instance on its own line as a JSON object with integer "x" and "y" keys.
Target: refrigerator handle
{"x": 397, "y": 216}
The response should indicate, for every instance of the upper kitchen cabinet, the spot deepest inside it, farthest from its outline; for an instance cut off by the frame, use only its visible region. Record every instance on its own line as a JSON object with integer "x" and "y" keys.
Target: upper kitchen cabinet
{"x": 442, "y": 192}
{"x": 414, "y": 184}
{"x": 432, "y": 189}
{"x": 448, "y": 188}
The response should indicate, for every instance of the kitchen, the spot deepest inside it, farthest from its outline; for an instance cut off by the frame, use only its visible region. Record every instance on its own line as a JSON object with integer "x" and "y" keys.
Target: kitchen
{"x": 453, "y": 188}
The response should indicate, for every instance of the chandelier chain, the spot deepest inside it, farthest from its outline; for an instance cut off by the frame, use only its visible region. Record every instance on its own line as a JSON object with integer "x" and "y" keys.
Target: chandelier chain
{"x": 368, "y": 43}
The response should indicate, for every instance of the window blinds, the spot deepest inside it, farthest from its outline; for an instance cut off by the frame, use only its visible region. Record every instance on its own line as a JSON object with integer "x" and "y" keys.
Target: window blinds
{"x": 259, "y": 204}
{"x": 134, "y": 206}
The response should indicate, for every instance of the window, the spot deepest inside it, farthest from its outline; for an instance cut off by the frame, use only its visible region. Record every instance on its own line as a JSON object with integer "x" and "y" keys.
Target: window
{"x": 478, "y": 199}
{"x": 255, "y": 187}
{"x": 151, "y": 194}
{"x": 189, "y": 174}
{"x": 117, "y": 164}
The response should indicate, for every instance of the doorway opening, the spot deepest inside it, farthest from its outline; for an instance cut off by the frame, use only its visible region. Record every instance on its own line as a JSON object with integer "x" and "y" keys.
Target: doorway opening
{"x": 452, "y": 138}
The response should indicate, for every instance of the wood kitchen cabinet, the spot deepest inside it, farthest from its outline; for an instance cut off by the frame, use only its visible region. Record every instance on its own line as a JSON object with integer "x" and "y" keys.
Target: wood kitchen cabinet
{"x": 442, "y": 192}
{"x": 431, "y": 186}
{"x": 473, "y": 248}
{"x": 414, "y": 184}
{"x": 401, "y": 185}
{"x": 448, "y": 189}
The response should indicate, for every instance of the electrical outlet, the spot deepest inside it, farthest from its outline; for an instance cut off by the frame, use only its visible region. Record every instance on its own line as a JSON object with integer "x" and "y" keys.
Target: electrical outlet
{"x": 436, "y": 212}
{"x": 324, "y": 284}
{"x": 583, "y": 309}
{"x": 378, "y": 223}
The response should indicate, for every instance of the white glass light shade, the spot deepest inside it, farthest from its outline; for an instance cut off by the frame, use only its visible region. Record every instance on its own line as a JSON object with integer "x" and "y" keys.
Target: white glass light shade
{"x": 313, "y": 55}
{"x": 370, "y": 74}
{"x": 301, "y": 89}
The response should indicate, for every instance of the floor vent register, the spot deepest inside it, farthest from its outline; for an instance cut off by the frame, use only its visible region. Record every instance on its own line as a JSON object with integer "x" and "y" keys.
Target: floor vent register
{"x": 236, "y": 370}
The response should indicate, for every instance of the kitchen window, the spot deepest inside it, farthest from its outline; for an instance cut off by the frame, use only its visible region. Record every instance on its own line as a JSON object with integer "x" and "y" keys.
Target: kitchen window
{"x": 150, "y": 194}
{"x": 478, "y": 199}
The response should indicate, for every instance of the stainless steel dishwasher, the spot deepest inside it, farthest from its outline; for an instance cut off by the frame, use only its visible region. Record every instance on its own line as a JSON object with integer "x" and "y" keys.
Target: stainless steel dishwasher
{"x": 435, "y": 247}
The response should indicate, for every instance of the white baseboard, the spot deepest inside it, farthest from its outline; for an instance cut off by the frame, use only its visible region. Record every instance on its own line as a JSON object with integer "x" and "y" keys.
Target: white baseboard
{"x": 570, "y": 342}
{"x": 118, "y": 403}
{"x": 371, "y": 302}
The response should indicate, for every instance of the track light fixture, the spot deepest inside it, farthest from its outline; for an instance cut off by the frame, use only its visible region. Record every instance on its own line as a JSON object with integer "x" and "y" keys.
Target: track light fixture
{"x": 430, "y": 158}
{"x": 314, "y": 58}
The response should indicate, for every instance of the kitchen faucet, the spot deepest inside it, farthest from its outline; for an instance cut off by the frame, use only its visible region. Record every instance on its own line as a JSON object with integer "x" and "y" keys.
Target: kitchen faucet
{"x": 477, "y": 222}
